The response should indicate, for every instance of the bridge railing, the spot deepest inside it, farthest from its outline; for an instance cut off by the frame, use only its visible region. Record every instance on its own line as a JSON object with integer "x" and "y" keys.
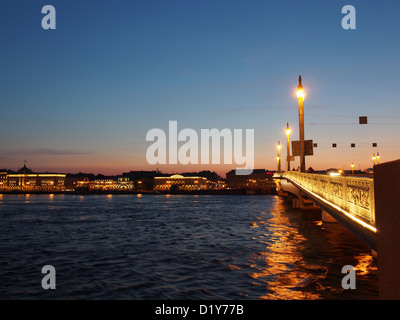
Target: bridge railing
{"x": 353, "y": 194}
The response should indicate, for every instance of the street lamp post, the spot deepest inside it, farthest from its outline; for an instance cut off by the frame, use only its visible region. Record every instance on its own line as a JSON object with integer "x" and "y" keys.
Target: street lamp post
{"x": 352, "y": 168}
{"x": 288, "y": 146}
{"x": 377, "y": 158}
{"x": 279, "y": 157}
{"x": 300, "y": 96}
{"x": 373, "y": 158}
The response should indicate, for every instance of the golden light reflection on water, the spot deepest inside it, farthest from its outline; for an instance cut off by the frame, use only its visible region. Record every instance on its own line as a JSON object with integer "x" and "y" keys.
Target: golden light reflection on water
{"x": 365, "y": 264}
{"x": 281, "y": 268}
{"x": 289, "y": 268}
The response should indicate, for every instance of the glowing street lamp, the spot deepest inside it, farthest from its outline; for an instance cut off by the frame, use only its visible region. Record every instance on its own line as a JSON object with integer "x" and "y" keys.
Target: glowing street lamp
{"x": 300, "y": 96}
{"x": 352, "y": 168}
{"x": 373, "y": 158}
{"x": 288, "y": 146}
{"x": 377, "y": 158}
{"x": 300, "y": 91}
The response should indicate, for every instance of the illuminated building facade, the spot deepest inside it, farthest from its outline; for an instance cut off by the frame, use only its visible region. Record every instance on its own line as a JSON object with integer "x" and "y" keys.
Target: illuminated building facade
{"x": 178, "y": 182}
{"x": 103, "y": 184}
{"x": 3, "y": 179}
{"x": 27, "y": 180}
{"x": 121, "y": 184}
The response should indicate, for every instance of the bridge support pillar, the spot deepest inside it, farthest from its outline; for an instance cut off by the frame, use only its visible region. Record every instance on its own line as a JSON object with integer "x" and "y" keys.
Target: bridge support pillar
{"x": 387, "y": 204}
{"x": 295, "y": 203}
{"x": 326, "y": 217}
{"x": 309, "y": 209}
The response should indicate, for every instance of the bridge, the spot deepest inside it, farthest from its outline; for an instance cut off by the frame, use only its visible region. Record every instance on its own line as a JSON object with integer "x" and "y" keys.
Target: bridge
{"x": 367, "y": 206}
{"x": 349, "y": 200}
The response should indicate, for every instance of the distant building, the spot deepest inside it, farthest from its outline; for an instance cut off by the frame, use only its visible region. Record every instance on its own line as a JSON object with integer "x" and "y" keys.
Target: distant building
{"x": 216, "y": 185}
{"x": 27, "y": 180}
{"x": 259, "y": 179}
{"x": 177, "y": 182}
{"x": 118, "y": 184}
{"x": 123, "y": 183}
{"x": 103, "y": 184}
{"x": 3, "y": 179}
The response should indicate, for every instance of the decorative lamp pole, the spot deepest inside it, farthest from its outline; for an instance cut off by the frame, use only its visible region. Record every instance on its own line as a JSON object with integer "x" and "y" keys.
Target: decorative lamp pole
{"x": 279, "y": 157}
{"x": 288, "y": 146}
{"x": 300, "y": 96}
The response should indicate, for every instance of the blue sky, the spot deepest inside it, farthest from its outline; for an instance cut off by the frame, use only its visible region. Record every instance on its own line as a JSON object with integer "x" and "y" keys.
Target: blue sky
{"x": 82, "y": 97}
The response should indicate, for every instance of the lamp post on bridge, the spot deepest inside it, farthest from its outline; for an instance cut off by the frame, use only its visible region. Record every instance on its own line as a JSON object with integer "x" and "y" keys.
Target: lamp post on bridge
{"x": 288, "y": 146}
{"x": 279, "y": 157}
{"x": 300, "y": 96}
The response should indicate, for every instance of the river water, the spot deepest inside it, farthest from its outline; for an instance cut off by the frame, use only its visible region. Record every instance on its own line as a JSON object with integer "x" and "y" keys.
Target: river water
{"x": 175, "y": 247}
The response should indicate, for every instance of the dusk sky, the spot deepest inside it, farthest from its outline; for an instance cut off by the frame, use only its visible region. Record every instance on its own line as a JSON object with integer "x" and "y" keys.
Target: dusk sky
{"x": 83, "y": 96}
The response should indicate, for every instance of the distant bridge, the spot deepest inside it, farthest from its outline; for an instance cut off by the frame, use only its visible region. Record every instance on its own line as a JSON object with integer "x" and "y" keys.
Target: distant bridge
{"x": 348, "y": 199}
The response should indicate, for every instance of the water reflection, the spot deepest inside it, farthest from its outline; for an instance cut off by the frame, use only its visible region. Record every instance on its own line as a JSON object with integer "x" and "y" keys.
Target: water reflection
{"x": 365, "y": 265}
{"x": 303, "y": 257}
{"x": 281, "y": 267}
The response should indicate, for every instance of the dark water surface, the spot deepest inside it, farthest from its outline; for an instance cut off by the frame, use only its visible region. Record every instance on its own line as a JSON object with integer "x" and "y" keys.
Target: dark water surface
{"x": 175, "y": 247}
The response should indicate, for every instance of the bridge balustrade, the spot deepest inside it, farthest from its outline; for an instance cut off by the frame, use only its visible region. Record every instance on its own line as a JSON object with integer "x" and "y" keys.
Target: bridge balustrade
{"x": 353, "y": 194}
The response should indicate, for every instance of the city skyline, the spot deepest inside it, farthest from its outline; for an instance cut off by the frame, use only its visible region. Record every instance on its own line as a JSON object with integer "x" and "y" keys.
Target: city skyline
{"x": 83, "y": 96}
